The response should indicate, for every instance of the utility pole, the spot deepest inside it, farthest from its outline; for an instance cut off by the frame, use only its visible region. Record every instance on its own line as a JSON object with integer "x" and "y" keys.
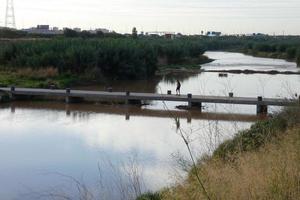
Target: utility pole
{"x": 10, "y": 21}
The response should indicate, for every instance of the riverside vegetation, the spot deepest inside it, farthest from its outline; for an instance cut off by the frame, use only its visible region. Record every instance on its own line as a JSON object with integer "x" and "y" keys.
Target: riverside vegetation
{"x": 82, "y": 58}
{"x": 260, "y": 163}
{"x": 92, "y": 59}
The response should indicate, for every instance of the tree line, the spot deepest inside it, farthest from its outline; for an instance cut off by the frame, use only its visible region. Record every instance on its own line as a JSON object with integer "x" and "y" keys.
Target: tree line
{"x": 118, "y": 58}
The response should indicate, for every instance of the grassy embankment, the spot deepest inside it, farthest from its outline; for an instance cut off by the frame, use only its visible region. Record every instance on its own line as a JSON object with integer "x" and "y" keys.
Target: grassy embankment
{"x": 38, "y": 78}
{"x": 260, "y": 163}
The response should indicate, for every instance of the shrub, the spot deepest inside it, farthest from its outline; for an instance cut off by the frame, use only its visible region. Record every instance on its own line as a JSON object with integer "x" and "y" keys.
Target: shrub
{"x": 253, "y": 138}
{"x": 150, "y": 196}
{"x": 291, "y": 52}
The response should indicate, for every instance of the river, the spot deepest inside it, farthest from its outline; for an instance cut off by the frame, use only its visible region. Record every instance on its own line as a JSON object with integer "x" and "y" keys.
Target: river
{"x": 49, "y": 148}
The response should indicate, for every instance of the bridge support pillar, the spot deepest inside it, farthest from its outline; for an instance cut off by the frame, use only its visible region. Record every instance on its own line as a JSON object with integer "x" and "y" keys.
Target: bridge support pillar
{"x": 193, "y": 104}
{"x": 190, "y": 104}
{"x": 261, "y": 109}
{"x": 127, "y": 98}
{"x": 129, "y": 101}
{"x": 69, "y": 99}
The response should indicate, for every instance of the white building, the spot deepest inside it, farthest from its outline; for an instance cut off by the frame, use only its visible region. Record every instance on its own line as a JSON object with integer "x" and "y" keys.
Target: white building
{"x": 213, "y": 34}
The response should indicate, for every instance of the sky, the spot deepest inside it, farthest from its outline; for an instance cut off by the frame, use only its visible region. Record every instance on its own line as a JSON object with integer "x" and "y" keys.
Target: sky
{"x": 185, "y": 16}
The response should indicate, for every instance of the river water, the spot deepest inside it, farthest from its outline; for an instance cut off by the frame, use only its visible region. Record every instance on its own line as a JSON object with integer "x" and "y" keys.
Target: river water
{"x": 51, "y": 149}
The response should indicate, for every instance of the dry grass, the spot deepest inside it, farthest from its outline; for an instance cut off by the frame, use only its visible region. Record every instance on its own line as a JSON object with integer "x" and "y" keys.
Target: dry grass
{"x": 272, "y": 172}
{"x": 42, "y": 73}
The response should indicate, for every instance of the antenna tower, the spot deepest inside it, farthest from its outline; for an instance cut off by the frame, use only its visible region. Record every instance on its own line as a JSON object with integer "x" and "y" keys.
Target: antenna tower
{"x": 10, "y": 14}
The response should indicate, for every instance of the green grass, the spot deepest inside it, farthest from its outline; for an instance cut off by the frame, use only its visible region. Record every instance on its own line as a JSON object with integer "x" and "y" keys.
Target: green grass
{"x": 150, "y": 196}
{"x": 8, "y": 79}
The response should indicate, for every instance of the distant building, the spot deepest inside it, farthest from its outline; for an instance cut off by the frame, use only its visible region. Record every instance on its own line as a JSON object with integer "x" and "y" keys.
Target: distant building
{"x": 43, "y": 29}
{"x": 170, "y": 35}
{"x": 256, "y": 35}
{"x": 165, "y": 34}
{"x": 213, "y": 34}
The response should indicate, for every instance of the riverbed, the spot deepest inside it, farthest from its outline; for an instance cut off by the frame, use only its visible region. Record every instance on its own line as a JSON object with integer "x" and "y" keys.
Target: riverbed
{"x": 116, "y": 152}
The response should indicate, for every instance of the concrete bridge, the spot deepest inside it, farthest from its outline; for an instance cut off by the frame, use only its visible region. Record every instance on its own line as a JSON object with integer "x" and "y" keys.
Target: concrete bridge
{"x": 72, "y": 96}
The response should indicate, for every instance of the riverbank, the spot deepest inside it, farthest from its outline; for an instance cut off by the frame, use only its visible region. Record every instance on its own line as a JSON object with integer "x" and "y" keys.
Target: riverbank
{"x": 260, "y": 163}
{"x": 41, "y": 78}
{"x": 50, "y": 77}
{"x": 186, "y": 66}
{"x": 247, "y": 71}
{"x": 274, "y": 55}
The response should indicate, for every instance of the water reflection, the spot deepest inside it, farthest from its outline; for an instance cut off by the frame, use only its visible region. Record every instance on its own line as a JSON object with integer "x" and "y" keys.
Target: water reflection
{"x": 37, "y": 142}
{"x": 83, "y": 111}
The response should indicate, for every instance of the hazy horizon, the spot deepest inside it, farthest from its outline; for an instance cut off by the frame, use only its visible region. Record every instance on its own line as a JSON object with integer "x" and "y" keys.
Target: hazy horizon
{"x": 188, "y": 17}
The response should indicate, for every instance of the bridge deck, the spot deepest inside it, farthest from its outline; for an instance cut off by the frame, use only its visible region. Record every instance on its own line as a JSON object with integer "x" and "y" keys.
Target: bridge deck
{"x": 150, "y": 96}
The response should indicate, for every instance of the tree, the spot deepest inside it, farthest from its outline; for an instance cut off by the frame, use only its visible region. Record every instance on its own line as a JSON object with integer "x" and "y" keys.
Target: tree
{"x": 70, "y": 33}
{"x": 291, "y": 52}
{"x": 86, "y": 34}
{"x": 134, "y": 32}
{"x": 99, "y": 34}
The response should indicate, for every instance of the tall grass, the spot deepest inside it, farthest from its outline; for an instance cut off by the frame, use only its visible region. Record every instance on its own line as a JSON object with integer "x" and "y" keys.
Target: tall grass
{"x": 260, "y": 163}
{"x": 41, "y": 73}
{"x": 273, "y": 172}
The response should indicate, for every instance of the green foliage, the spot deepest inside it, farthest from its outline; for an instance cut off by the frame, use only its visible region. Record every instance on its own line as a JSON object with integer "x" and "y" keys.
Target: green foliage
{"x": 291, "y": 52}
{"x": 11, "y": 33}
{"x": 134, "y": 33}
{"x": 119, "y": 58}
{"x": 255, "y": 137}
{"x": 150, "y": 196}
{"x": 70, "y": 33}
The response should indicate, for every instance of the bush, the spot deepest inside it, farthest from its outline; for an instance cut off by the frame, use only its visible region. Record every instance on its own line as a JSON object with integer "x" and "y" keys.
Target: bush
{"x": 291, "y": 52}
{"x": 259, "y": 133}
{"x": 150, "y": 196}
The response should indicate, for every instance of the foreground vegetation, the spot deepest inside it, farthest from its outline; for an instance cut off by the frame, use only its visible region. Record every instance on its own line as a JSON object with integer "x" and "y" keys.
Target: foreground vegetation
{"x": 260, "y": 163}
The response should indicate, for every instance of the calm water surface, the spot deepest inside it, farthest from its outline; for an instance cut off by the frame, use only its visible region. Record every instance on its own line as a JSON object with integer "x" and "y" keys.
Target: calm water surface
{"x": 45, "y": 146}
